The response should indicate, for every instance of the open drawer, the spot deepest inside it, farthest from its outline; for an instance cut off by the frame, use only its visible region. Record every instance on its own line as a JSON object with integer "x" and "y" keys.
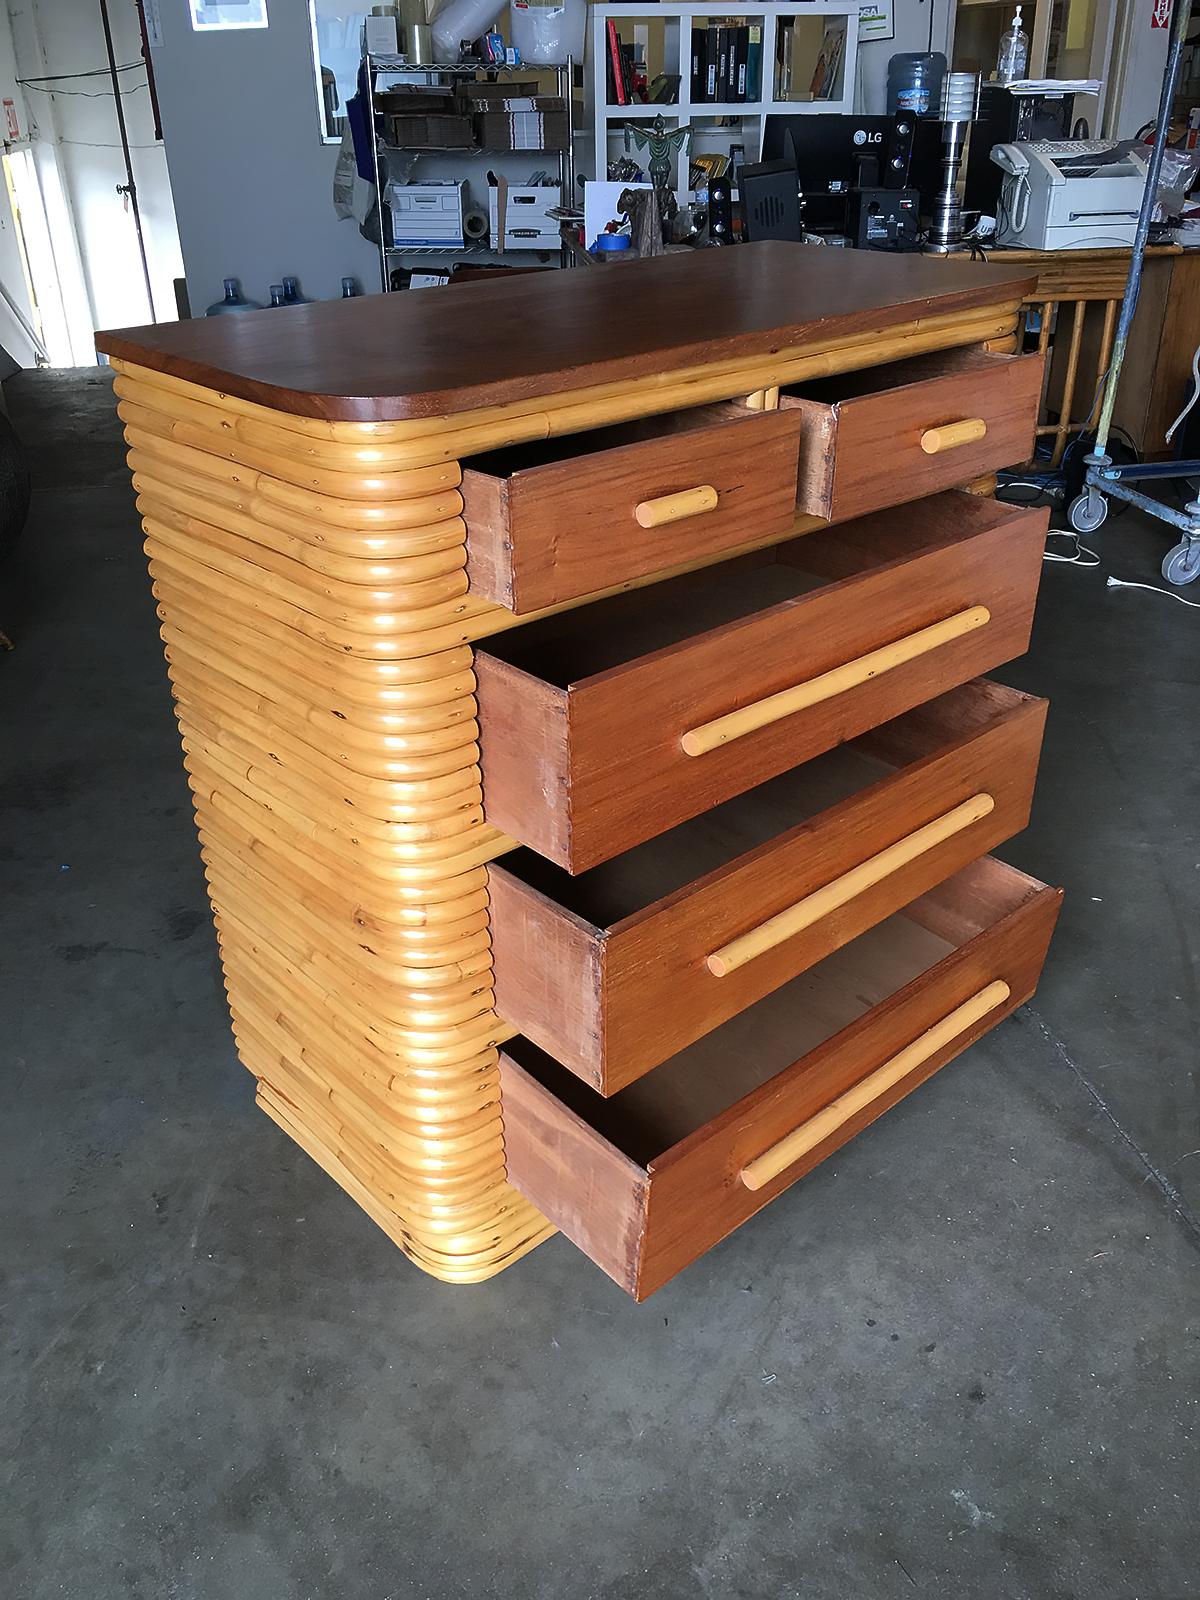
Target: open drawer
{"x": 615, "y": 970}
{"x": 647, "y": 1181}
{"x": 602, "y": 728}
{"x": 560, "y": 518}
{"x": 884, "y": 434}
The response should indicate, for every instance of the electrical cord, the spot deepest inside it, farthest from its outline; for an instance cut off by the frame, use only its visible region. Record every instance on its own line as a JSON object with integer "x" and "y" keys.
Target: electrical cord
{"x": 1153, "y": 588}
{"x": 1081, "y": 556}
{"x": 1024, "y": 191}
{"x": 1194, "y": 396}
{"x": 84, "y": 94}
{"x": 93, "y": 72}
{"x": 1041, "y": 490}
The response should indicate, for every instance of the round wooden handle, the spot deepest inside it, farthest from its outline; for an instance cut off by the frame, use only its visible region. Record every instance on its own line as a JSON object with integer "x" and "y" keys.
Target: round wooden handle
{"x": 953, "y": 434}
{"x": 735, "y": 724}
{"x": 785, "y": 924}
{"x": 674, "y": 507}
{"x": 764, "y": 1169}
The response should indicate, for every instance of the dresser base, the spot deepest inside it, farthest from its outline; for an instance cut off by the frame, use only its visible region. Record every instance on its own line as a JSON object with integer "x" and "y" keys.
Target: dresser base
{"x": 311, "y": 578}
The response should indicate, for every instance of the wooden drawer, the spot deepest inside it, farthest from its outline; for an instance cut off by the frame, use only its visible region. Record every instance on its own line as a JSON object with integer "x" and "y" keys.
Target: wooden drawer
{"x": 647, "y": 1181}
{"x": 551, "y": 521}
{"x": 602, "y": 728}
{"x": 894, "y": 433}
{"x": 614, "y": 971}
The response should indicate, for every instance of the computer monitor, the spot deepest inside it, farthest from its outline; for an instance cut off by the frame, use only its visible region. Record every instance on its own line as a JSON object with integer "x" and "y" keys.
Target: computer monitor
{"x": 835, "y": 153}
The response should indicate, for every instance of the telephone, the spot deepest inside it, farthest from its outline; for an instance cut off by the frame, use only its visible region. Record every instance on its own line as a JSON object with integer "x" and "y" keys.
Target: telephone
{"x": 1010, "y": 158}
{"x": 1069, "y": 194}
{"x": 1015, "y": 191}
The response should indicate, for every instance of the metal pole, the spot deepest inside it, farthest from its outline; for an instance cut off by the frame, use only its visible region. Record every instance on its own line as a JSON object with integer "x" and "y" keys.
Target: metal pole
{"x": 566, "y": 162}
{"x": 385, "y": 280}
{"x": 129, "y": 188}
{"x": 1180, "y": 22}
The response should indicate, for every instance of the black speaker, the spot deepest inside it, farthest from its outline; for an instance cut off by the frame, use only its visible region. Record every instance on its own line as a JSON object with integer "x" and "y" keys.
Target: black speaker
{"x": 898, "y": 161}
{"x": 720, "y": 210}
{"x": 770, "y": 201}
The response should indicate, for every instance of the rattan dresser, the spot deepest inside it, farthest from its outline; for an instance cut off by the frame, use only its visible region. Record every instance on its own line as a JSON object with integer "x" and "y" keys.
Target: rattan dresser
{"x": 578, "y": 678}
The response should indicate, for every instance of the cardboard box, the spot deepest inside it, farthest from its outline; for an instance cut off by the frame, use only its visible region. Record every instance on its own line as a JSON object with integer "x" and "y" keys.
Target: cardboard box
{"x": 430, "y": 132}
{"x": 526, "y": 225}
{"x": 530, "y": 129}
{"x": 428, "y": 213}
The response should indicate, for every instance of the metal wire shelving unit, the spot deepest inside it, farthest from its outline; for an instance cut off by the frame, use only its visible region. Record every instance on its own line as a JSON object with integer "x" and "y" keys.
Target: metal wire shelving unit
{"x": 398, "y": 68}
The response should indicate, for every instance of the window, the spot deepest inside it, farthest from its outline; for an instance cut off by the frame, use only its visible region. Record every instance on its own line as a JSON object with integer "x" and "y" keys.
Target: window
{"x": 337, "y": 49}
{"x": 210, "y": 14}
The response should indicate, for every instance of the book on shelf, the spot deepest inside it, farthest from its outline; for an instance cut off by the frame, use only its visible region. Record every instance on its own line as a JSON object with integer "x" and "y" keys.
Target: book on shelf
{"x": 726, "y": 62}
{"x": 697, "y": 76}
{"x": 741, "y": 49}
{"x": 754, "y": 62}
{"x": 829, "y": 60}
{"x": 618, "y": 86}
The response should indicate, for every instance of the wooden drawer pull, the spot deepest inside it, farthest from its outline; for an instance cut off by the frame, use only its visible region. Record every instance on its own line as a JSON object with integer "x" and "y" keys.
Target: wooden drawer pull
{"x": 763, "y": 1169}
{"x": 781, "y": 927}
{"x": 698, "y": 741}
{"x": 674, "y": 507}
{"x": 953, "y": 434}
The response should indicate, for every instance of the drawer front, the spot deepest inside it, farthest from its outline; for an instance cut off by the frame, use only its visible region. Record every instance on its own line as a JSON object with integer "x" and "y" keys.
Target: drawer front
{"x": 899, "y": 444}
{"x": 612, "y": 1002}
{"x": 583, "y": 774}
{"x": 643, "y": 1221}
{"x": 599, "y": 518}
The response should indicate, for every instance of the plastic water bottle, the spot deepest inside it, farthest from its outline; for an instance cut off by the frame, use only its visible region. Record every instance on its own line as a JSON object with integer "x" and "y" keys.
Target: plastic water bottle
{"x": 915, "y": 82}
{"x": 1013, "y": 56}
{"x": 234, "y": 301}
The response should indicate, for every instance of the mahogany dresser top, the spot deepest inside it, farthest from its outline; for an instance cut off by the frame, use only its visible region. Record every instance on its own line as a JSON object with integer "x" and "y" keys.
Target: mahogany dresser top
{"x": 382, "y": 358}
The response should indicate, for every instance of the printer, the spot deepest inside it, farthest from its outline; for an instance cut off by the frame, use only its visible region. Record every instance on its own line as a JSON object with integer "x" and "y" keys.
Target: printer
{"x": 1068, "y": 194}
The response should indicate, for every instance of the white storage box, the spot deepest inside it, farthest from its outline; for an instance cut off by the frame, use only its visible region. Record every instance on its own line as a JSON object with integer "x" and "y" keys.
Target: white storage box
{"x": 526, "y": 225}
{"x": 428, "y": 213}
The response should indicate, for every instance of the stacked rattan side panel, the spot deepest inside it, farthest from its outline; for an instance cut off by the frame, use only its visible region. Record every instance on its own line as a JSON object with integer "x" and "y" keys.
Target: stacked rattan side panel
{"x": 311, "y": 591}
{"x": 312, "y": 588}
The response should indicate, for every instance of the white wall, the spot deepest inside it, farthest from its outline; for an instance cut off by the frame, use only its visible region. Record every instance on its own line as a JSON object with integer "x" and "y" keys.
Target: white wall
{"x": 79, "y": 121}
{"x": 1133, "y": 98}
{"x": 251, "y": 177}
{"x": 912, "y": 20}
{"x": 13, "y": 338}
{"x": 1139, "y": 76}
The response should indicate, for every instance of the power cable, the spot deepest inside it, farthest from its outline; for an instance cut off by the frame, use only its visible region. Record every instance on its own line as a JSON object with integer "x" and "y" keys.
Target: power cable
{"x": 83, "y": 94}
{"x": 1125, "y": 583}
{"x": 92, "y": 72}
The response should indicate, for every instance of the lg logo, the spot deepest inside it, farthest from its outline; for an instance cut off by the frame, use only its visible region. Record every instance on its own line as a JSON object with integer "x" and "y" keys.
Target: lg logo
{"x": 861, "y": 136}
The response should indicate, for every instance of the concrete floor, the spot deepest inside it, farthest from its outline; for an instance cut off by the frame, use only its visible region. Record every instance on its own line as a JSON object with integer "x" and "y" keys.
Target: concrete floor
{"x": 960, "y": 1359}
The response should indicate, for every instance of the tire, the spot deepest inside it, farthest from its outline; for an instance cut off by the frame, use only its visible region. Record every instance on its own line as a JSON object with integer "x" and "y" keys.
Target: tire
{"x": 1088, "y": 511}
{"x": 1182, "y": 563}
{"x": 14, "y": 487}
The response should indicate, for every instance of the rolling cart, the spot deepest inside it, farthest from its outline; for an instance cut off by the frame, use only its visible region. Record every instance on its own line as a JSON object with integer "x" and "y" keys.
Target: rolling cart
{"x": 1104, "y": 479}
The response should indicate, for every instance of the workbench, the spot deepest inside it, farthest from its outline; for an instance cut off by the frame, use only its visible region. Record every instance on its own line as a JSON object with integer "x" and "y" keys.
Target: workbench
{"x": 1077, "y": 299}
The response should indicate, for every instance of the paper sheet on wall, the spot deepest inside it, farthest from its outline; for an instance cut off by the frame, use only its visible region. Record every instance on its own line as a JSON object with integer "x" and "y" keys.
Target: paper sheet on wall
{"x": 876, "y": 20}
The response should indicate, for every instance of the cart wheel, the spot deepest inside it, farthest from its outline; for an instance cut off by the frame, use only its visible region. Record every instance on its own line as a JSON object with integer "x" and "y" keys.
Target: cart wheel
{"x": 1087, "y": 511}
{"x": 1182, "y": 564}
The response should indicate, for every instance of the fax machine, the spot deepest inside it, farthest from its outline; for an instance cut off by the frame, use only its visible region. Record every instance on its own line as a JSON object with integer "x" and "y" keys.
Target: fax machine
{"x": 1068, "y": 194}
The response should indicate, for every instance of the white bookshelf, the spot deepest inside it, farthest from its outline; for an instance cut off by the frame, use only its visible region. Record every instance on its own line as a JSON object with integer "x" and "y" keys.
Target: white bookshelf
{"x": 666, "y": 28}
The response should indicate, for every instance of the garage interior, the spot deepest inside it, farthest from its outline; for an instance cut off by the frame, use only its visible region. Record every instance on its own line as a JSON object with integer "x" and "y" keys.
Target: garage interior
{"x": 578, "y": 666}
